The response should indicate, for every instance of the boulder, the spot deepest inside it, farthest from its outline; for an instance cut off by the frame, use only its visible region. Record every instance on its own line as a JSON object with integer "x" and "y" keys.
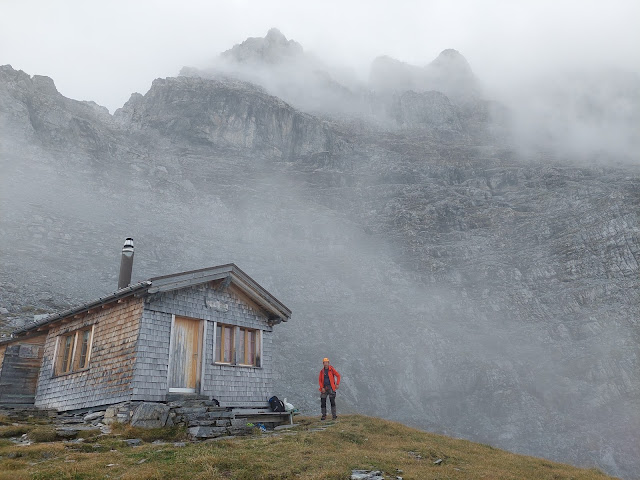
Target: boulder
{"x": 150, "y": 415}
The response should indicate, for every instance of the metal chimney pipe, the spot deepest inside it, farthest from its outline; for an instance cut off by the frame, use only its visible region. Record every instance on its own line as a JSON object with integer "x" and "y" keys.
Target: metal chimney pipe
{"x": 126, "y": 264}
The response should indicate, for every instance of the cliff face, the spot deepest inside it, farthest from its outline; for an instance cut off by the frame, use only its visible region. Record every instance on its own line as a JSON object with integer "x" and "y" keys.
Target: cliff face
{"x": 33, "y": 108}
{"x": 455, "y": 285}
{"x": 227, "y": 114}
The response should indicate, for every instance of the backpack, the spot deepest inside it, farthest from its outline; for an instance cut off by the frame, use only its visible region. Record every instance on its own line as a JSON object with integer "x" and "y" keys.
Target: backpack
{"x": 276, "y": 404}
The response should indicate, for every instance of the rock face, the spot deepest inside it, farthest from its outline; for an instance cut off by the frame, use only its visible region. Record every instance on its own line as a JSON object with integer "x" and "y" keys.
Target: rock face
{"x": 42, "y": 114}
{"x": 227, "y": 114}
{"x": 496, "y": 293}
{"x": 430, "y": 111}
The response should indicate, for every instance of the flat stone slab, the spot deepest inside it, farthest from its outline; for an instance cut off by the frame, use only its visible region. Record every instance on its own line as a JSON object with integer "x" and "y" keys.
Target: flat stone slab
{"x": 217, "y": 439}
{"x": 285, "y": 427}
{"x": 366, "y": 475}
{"x": 207, "y": 432}
{"x": 93, "y": 416}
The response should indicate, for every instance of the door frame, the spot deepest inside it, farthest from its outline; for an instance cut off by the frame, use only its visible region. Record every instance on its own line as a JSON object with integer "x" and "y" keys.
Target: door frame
{"x": 203, "y": 327}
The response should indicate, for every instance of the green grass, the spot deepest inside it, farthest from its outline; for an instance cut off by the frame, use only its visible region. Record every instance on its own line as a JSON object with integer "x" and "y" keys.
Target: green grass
{"x": 8, "y": 431}
{"x": 168, "y": 434}
{"x": 44, "y": 433}
{"x": 354, "y": 442}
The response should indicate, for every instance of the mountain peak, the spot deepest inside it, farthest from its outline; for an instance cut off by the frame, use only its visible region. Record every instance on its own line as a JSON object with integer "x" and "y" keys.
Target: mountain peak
{"x": 273, "y": 48}
{"x": 450, "y": 53}
{"x": 275, "y": 36}
{"x": 452, "y": 61}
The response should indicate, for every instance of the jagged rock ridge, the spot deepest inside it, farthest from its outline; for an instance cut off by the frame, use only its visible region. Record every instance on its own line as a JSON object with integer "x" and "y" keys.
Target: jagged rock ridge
{"x": 492, "y": 294}
{"x": 273, "y": 48}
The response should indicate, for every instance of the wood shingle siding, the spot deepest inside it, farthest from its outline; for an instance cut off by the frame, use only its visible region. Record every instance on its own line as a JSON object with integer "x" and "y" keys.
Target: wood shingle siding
{"x": 108, "y": 376}
{"x": 123, "y": 346}
{"x": 19, "y": 371}
{"x": 230, "y": 384}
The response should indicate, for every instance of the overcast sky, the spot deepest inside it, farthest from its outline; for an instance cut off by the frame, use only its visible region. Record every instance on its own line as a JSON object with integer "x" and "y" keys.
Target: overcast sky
{"x": 105, "y": 50}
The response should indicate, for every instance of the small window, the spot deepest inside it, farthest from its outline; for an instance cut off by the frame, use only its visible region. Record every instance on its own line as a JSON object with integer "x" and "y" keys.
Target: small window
{"x": 249, "y": 347}
{"x": 74, "y": 350}
{"x": 83, "y": 339}
{"x": 67, "y": 353}
{"x": 225, "y": 342}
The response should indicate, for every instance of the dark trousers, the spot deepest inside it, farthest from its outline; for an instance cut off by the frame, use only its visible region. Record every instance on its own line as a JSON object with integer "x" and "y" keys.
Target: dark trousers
{"x": 323, "y": 401}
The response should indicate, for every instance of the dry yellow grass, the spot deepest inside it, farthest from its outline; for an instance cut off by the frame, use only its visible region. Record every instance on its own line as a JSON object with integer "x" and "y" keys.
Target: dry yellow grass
{"x": 354, "y": 442}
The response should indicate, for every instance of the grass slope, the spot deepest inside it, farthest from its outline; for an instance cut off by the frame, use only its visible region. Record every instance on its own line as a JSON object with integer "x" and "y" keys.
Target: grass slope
{"x": 307, "y": 451}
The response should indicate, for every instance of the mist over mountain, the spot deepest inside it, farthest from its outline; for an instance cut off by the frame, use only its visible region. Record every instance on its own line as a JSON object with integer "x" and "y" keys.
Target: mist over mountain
{"x": 465, "y": 271}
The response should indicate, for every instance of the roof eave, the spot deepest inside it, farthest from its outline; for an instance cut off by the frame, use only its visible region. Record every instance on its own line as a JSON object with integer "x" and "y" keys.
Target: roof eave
{"x": 117, "y": 295}
{"x": 238, "y": 277}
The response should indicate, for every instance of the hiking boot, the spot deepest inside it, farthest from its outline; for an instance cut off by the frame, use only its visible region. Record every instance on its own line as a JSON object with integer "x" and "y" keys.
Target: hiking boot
{"x": 323, "y": 417}
{"x": 334, "y": 417}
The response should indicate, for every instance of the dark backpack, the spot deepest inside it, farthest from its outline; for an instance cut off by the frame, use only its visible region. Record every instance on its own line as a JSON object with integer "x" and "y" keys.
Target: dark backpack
{"x": 276, "y": 404}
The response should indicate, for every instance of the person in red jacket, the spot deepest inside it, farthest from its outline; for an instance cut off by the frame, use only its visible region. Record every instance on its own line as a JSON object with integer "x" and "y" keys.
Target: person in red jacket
{"x": 329, "y": 380}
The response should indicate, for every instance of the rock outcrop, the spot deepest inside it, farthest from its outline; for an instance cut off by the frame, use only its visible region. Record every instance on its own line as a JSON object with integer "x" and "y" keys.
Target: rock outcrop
{"x": 458, "y": 285}
{"x": 273, "y": 48}
{"x": 34, "y": 109}
{"x": 227, "y": 113}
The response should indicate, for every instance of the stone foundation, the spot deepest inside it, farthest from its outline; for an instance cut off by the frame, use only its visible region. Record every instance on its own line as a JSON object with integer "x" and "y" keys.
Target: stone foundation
{"x": 203, "y": 418}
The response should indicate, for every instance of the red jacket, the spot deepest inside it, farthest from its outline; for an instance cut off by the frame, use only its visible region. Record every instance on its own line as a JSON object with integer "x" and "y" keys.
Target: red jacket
{"x": 332, "y": 373}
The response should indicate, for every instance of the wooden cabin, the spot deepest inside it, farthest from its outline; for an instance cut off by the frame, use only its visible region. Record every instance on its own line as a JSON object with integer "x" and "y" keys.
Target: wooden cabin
{"x": 206, "y": 333}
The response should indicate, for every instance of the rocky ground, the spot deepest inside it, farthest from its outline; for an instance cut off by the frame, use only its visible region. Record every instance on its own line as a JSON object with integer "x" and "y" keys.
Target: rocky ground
{"x": 458, "y": 284}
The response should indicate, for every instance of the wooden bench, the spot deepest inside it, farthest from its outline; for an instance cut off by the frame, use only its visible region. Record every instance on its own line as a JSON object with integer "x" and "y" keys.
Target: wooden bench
{"x": 263, "y": 415}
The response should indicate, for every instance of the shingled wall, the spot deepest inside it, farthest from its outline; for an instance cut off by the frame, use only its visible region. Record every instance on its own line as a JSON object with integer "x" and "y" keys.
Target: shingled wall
{"x": 231, "y": 385}
{"x": 108, "y": 378}
{"x": 19, "y": 369}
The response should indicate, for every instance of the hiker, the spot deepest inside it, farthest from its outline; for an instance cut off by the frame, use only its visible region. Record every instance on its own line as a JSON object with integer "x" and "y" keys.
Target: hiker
{"x": 329, "y": 381}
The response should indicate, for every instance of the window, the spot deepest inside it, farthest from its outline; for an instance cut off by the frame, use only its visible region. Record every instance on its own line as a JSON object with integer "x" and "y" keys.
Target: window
{"x": 225, "y": 343}
{"x": 74, "y": 351}
{"x": 67, "y": 352}
{"x": 249, "y": 347}
{"x": 83, "y": 338}
{"x": 237, "y": 345}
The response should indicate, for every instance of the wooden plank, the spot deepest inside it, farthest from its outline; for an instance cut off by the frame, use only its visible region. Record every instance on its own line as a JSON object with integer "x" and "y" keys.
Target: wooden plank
{"x": 252, "y": 411}
{"x": 280, "y": 417}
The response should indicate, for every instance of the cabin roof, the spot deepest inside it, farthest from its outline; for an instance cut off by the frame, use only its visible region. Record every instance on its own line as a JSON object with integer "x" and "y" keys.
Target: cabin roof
{"x": 276, "y": 311}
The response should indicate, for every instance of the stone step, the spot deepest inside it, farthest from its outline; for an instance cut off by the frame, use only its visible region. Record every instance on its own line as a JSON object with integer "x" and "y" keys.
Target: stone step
{"x": 182, "y": 397}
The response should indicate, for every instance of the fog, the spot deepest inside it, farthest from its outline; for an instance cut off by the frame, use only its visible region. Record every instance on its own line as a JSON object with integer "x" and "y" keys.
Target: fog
{"x": 456, "y": 290}
{"x": 104, "y": 52}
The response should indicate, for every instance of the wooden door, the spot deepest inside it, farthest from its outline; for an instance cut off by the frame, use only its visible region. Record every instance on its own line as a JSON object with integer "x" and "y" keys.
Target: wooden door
{"x": 185, "y": 355}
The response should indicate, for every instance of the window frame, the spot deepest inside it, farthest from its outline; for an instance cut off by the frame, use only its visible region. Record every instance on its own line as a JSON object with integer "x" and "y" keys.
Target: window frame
{"x": 69, "y": 359}
{"x": 235, "y": 344}
{"x": 257, "y": 347}
{"x": 218, "y": 353}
